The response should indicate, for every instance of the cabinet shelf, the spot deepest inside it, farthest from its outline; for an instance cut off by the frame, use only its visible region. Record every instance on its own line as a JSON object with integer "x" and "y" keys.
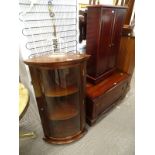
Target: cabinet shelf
{"x": 59, "y": 91}
{"x": 63, "y": 112}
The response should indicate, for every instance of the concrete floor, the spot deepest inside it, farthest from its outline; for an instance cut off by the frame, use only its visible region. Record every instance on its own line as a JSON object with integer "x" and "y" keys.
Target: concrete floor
{"x": 112, "y": 135}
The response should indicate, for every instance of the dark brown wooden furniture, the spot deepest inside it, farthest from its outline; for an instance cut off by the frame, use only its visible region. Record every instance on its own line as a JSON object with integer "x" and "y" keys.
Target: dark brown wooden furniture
{"x": 126, "y": 54}
{"x": 130, "y": 4}
{"x": 103, "y": 96}
{"x": 107, "y": 81}
{"x": 104, "y": 27}
{"x": 59, "y": 85}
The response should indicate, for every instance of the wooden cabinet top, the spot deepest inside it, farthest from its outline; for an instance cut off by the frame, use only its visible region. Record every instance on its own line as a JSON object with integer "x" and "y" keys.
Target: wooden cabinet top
{"x": 94, "y": 91}
{"x": 107, "y": 6}
{"x": 56, "y": 60}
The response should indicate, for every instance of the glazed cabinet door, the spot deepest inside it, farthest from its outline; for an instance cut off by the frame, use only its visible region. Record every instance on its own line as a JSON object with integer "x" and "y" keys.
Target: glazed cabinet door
{"x": 107, "y": 21}
{"x": 59, "y": 85}
{"x": 116, "y": 37}
{"x": 62, "y": 90}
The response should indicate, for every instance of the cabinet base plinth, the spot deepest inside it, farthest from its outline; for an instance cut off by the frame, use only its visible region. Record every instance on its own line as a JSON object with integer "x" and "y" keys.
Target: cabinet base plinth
{"x": 96, "y": 80}
{"x": 65, "y": 140}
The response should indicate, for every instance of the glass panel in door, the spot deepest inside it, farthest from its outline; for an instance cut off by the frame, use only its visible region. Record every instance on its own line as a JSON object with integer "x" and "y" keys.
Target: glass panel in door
{"x": 62, "y": 93}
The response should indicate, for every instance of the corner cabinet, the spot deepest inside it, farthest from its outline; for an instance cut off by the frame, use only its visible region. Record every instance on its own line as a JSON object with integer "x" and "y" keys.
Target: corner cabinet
{"x": 104, "y": 28}
{"x": 59, "y": 85}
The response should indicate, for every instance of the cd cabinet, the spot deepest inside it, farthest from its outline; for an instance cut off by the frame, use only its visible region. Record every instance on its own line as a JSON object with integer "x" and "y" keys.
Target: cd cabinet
{"x": 59, "y": 85}
{"x": 104, "y": 30}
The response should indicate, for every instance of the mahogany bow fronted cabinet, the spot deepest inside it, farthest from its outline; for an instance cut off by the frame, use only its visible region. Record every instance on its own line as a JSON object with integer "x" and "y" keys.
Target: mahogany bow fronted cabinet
{"x": 59, "y": 85}
{"x": 104, "y": 29}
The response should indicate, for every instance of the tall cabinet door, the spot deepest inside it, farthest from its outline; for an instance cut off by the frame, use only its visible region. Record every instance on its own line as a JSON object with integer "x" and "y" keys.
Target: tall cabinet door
{"x": 107, "y": 21}
{"x": 116, "y": 37}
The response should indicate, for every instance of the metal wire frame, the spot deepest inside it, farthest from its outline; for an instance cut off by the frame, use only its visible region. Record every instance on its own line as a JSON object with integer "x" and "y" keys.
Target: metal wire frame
{"x": 49, "y": 45}
{"x": 48, "y": 12}
{"x": 50, "y": 51}
{"x": 45, "y": 32}
{"x": 36, "y": 34}
{"x": 46, "y": 39}
{"x": 32, "y": 20}
{"x": 47, "y": 4}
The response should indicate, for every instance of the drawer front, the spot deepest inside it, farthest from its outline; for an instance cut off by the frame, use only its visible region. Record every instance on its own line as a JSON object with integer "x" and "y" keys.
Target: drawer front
{"x": 107, "y": 99}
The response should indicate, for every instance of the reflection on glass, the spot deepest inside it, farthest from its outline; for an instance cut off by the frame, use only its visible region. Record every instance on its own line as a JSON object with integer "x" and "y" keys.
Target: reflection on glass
{"x": 62, "y": 93}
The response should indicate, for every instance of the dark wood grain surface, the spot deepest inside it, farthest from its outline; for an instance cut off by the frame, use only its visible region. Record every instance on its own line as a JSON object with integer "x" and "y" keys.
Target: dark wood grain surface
{"x": 56, "y": 60}
{"x": 108, "y": 6}
{"x": 126, "y": 55}
{"x": 104, "y": 28}
{"x": 94, "y": 91}
{"x": 59, "y": 85}
{"x": 102, "y": 96}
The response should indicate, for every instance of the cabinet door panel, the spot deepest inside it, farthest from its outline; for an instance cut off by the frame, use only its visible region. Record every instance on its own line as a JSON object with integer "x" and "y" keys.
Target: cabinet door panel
{"x": 116, "y": 37}
{"x": 105, "y": 39}
{"x": 62, "y": 91}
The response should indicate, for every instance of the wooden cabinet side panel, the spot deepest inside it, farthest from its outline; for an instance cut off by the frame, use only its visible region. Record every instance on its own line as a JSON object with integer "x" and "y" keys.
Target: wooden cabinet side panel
{"x": 35, "y": 75}
{"x": 35, "y": 81}
{"x": 92, "y": 37}
{"x": 82, "y": 95}
{"x": 126, "y": 55}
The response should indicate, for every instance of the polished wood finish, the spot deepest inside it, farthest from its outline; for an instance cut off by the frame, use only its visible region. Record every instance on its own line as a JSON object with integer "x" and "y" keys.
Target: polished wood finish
{"x": 126, "y": 55}
{"x": 57, "y": 60}
{"x": 104, "y": 27}
{"x": 59, "y": 85}
{"x": 127, "y": 30}
{"x": 67, "y": 139}
{"x": 63, "y": 112}
{"x": 102, "y": 96}
{"x": 130, "y": 5}
{"x": 58, "y": 92}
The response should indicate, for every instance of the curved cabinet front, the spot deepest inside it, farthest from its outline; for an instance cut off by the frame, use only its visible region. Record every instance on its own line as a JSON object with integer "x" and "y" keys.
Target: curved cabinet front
{"x": 60, "y": 96}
